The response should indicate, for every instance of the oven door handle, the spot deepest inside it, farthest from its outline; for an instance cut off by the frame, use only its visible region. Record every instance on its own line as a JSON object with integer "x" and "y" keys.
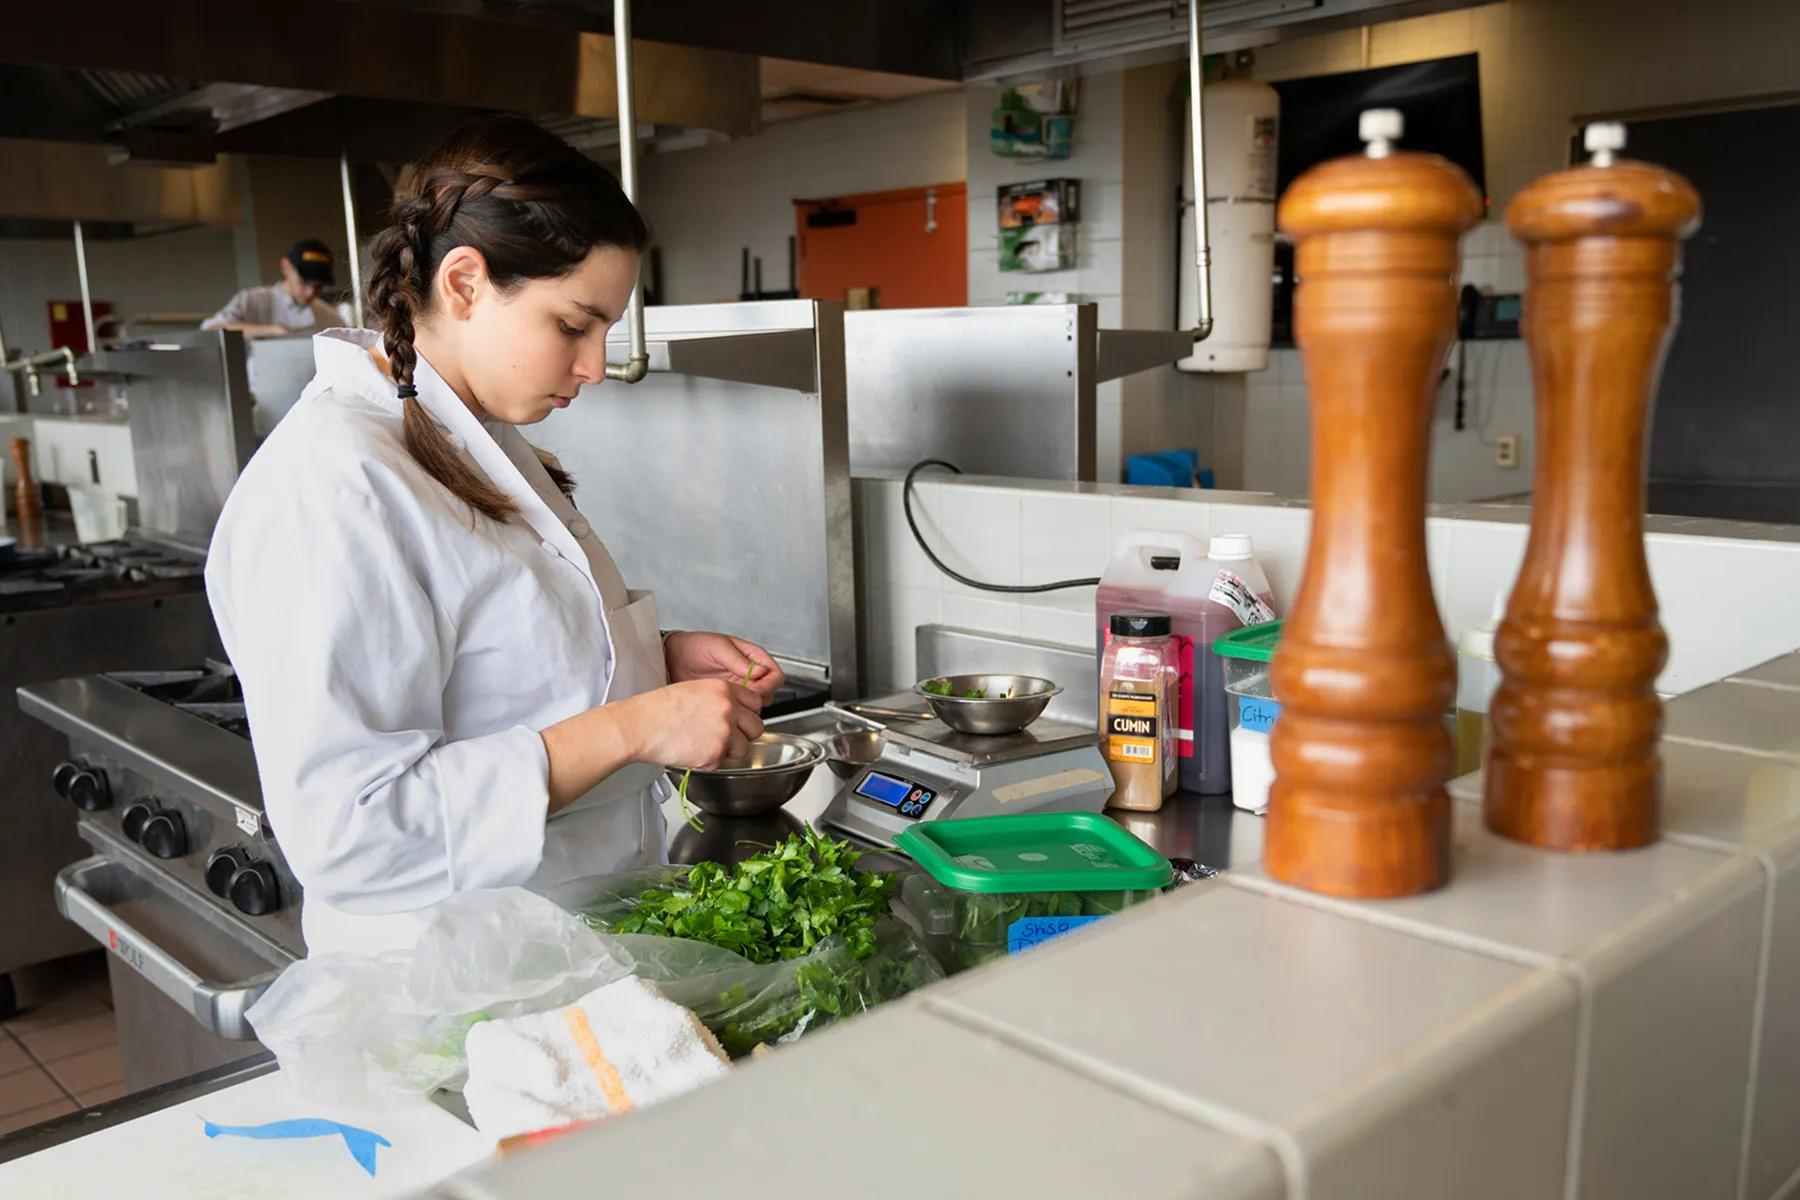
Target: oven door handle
{"x": 219, "y": 1007}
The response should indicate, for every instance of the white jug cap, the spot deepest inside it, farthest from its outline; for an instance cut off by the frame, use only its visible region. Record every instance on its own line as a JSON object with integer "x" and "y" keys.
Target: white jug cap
{"x": 1477, "y": 643}
{"x": 1229, "y": 546}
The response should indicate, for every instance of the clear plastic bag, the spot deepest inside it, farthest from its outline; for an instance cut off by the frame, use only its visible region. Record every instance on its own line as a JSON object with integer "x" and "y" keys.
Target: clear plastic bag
{"x": 350, "y": 1029}
{"x": 748, "y": 1004}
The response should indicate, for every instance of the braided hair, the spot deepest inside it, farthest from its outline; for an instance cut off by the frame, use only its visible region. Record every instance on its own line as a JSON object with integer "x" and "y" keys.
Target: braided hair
{"x": 535, "y": 207}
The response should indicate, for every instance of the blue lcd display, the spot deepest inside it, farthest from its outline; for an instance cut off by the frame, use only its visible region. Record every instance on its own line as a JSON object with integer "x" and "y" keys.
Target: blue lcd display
{"x": 884, "y": 789}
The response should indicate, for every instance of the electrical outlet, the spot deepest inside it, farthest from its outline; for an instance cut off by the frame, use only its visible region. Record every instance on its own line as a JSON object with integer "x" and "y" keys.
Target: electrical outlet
{"x": 1506, "y": 450}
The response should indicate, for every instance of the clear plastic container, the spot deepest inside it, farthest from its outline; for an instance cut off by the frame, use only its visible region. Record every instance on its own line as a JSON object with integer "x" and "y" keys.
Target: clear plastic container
{"x": 1477, "y": 675}
{"x": 1245, "y": 656}
{"x": 994, "y": 886}
{"x": 1175, "y": 573}
{"x": 1139, "y": 681}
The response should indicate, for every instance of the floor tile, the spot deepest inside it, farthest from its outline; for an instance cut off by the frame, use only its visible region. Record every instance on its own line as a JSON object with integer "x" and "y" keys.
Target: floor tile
{"x": 27, "y": 1089}
{"x": 55, "y": 1011}
{"x": 90, "y": 1070}
{"x": 71, "y": 1037}
{"x": 13, "y": 1122}
{"x": 13, "y": 1056}
{"x": 100, "y": 1095}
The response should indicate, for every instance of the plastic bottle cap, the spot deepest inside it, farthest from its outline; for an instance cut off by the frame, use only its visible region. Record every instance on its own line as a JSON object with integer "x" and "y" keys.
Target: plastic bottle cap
{"x": 1476, "y": 643}
{"x": 1141, "y": 624}
{"x": 1229, "y": 546}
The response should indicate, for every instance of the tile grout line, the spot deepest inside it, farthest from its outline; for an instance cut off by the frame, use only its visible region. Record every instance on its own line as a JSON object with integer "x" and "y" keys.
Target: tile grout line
{"x": 1206, "y": 1114}
{"x": 1757, "y": 1012}
{"x": 1771, "y": 755}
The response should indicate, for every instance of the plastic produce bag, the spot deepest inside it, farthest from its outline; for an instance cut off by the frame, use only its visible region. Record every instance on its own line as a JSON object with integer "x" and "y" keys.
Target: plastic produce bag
{"x": 747, "y": 1004}
{"x": 350, "y": 1029}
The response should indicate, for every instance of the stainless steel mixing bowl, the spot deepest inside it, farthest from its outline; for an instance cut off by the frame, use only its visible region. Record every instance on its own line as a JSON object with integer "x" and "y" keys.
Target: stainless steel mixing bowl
{"x": 1008, "y": 704}
{"x": 774, "y": 771}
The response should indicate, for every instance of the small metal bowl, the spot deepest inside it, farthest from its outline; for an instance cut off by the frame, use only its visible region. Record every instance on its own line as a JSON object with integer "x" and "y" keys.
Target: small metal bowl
{"x": 850, "y": 751}
{"x": 774, "y": 771}
{"x": 1010, "y": 704}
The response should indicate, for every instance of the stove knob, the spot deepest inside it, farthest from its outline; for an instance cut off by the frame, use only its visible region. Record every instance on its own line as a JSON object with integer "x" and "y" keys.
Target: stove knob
{"x": 165, "y": 836}
{"x": 221, "y": 867}
{"x": 135, "y": 817}
{"x": 89, "y": 791}
{"x": 65, "y": 775}
{"x": 255, "y": 891}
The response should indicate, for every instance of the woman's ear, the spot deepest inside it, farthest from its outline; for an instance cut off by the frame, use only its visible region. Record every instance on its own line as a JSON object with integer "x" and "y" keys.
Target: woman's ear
{"x": 462, "y": 279}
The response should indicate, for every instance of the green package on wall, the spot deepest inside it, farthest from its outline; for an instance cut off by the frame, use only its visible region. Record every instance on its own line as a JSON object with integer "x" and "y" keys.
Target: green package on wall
{"x": 1037, "y": 248}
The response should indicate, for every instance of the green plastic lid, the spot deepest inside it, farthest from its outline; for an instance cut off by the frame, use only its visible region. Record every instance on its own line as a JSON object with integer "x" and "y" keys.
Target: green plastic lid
{"x": 1255, "y": 643}
{"x": 1035, "y": 852}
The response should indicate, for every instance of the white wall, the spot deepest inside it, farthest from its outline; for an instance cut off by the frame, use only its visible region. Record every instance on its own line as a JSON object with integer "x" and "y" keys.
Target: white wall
{"x": 1726, "y": 588}
{"x": 1546, "y": 65}
{"x": 705, "y": 204}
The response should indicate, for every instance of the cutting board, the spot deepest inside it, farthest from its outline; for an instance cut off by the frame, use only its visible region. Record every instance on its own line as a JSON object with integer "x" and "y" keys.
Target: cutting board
{"x": 167, "y": 1153}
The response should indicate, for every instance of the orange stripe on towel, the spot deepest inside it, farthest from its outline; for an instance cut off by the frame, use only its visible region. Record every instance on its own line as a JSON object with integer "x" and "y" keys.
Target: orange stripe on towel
{"x": 610, "y": 1084}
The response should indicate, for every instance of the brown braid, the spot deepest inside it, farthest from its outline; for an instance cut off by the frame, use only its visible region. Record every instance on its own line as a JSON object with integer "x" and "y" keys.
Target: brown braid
{"x": 535, "y": 208}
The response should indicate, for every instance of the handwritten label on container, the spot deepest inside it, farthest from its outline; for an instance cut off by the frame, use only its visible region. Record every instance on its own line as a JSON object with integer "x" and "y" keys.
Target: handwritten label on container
{"x": 1257, "y": 715}
{"x": 1027, "y": 932}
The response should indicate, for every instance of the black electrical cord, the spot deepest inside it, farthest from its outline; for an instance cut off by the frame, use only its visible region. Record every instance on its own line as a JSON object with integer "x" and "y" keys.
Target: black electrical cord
{"x": 906, "y": 490}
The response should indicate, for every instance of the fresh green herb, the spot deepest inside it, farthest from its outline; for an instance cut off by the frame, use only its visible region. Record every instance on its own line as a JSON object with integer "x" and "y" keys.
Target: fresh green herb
{"x": 941, "y": 687}
{"x": 779, "y": 904}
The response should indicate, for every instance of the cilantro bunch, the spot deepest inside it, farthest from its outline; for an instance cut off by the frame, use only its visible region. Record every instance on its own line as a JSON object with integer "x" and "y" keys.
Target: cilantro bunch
{"x": 776, "y": 905}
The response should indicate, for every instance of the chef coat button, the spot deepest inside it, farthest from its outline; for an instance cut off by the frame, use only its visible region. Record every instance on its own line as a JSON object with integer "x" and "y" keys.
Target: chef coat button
{"x": 580, "y": 528}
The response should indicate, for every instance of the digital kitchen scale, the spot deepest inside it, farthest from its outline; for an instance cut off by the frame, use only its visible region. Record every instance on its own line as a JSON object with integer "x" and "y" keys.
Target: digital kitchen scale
{"x": 929, "y": 772}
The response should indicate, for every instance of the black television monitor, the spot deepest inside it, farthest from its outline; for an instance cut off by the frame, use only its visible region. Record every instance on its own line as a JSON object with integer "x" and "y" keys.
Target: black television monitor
{"x": 1440, "y": 99}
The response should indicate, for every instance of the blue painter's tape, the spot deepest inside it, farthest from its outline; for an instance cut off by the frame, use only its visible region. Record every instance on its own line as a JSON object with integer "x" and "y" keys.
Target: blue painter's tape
{"x": 1257, "y": 715}
{"x": 1027, "y": 932}
{"x": 360, "y": 1142}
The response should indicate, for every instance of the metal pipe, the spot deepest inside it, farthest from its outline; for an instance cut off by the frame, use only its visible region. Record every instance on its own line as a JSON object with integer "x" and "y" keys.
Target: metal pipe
{"x": 1203, "y": 326}
{"x": 356, "y": 301}
{"x": 638, "y": 364}
{"x": 87, "y": 297}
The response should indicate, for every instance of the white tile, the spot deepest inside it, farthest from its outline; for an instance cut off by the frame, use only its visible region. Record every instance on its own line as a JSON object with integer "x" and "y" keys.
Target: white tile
{"x": 987, "y": 615}
{"x": 908, "y": 609}
{"x": 1366, "y": 1048}
{"x": 1484, "y": 560}
{"x": 1738, "y": 716}
{"x": 1437, "y": 556}
{"x": 893, "y": 555}
{"x": 1065, "y": 626}
{"x": 1280, "y": 536}
{"x": 1774, "y": 1150}
{"x": 804, "y": 1116}
{"x": 1064, "y": 537}
{"x": 977, "y": 534}
{"x": 1728, "y": 603}
{"x": 1132, "y": 514}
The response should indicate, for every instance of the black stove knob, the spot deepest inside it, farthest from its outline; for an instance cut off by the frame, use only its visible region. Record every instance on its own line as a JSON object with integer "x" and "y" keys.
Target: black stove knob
{"x": 221, "y": 867}
{"x": 89, "y": 790}
{"x": 63, "y": 776}
{"x": 165, "y": 836}
{"x": 254, "y": 890}
{"x": 135, "y": 817}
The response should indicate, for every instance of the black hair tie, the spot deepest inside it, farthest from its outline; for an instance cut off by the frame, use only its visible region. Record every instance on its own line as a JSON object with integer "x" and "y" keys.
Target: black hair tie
{"x": 407, "y": 391}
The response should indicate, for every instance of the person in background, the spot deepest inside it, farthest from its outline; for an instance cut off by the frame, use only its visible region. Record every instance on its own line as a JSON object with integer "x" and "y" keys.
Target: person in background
{"x": 291, "y": 306}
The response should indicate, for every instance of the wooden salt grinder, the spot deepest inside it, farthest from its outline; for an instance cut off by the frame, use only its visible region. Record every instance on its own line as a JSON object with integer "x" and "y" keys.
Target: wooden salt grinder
{"x": 1573, "y": 762}
{"x": 1364, "y": 673}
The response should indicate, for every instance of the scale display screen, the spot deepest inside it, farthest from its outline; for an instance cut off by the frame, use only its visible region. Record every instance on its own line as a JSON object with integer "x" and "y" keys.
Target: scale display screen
{"x": 908, "y": 799}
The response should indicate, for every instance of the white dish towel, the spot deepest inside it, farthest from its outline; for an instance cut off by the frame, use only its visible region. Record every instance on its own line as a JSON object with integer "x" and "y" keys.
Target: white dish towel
{"x": 620, "y": 1047}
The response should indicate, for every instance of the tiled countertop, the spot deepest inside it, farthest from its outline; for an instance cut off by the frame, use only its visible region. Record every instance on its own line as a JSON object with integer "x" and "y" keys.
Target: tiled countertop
{"x": 1622, "y": 1025}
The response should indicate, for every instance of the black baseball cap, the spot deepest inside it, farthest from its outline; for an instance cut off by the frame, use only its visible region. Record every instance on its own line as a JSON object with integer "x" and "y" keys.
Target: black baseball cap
{"x": 312, "y": 260}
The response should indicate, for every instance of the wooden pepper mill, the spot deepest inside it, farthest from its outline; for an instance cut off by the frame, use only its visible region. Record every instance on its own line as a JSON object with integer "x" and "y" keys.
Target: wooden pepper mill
{"x": 1573, "y": 762}
{"x": 1364, "y": 673}
{"x": 26, "y": 501}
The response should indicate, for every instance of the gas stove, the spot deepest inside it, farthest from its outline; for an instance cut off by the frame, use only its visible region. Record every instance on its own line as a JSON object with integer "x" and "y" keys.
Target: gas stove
{"x": 80, "y": 574}
{"x": 187, "y": 886}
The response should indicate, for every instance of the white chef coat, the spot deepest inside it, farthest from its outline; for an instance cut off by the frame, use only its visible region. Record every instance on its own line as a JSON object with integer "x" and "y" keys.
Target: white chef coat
{"x": 399, "y": 656}
{"x": 271, "y": 305}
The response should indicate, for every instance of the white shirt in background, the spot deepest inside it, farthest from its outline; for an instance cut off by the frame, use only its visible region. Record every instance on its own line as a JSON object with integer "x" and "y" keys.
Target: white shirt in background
{"x": 271, "y": 305}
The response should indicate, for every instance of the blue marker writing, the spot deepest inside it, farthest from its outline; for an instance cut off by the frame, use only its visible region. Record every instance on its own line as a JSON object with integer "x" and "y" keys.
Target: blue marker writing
{"x": 360, "y": 1142}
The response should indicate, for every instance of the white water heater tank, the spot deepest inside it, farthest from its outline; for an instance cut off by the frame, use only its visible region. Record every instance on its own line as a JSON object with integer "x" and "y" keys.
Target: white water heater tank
{"x": 1242, "y": 120}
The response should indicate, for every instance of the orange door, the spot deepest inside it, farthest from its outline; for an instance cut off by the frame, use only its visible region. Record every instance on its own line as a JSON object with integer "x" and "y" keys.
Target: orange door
{"x": 913, "y": 245}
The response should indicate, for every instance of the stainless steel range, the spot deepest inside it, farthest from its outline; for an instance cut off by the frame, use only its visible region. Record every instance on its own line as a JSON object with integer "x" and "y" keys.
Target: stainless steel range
{"x": 68, "y": 610}
{"x": 185, "y": 885}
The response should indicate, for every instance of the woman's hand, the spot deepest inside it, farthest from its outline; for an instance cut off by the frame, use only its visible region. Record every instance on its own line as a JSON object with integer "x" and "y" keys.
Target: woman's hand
{"x": 715, "y": 656}
{"x": 693, "y": 724}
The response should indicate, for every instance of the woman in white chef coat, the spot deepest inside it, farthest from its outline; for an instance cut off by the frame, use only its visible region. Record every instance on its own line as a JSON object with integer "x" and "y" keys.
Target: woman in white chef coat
{"x": 448, "y": 684}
